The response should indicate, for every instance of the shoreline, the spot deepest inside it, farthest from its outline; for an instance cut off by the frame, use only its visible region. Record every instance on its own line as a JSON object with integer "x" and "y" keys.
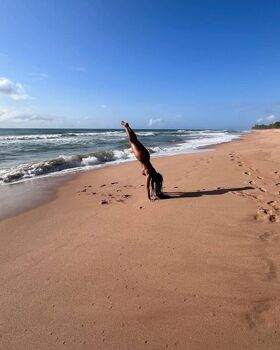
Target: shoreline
{"x": 196, "y": 270}
{"x": 49, "y": 184}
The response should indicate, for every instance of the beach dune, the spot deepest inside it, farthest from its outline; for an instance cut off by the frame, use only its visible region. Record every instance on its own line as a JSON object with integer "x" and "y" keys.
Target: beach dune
{"x": 101, "y": 267}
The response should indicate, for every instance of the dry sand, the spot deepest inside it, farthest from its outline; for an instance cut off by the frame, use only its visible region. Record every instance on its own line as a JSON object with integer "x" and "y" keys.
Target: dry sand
{"x": 196, "y": 271}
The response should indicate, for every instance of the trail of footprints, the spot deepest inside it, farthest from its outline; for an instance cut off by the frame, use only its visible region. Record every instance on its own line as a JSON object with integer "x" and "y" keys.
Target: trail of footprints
{"x": 268, "y": 209}
{"x": 114, "y": 193}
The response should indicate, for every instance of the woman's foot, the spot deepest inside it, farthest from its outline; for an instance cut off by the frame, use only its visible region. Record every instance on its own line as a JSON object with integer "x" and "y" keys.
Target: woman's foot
{"x": 125, "y": 124}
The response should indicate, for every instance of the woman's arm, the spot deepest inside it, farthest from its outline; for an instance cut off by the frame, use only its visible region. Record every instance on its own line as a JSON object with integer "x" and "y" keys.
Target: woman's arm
{"x": 148, "y": 186}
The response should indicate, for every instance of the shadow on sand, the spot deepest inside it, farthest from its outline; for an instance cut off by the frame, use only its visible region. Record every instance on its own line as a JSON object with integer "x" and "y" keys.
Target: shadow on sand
{"x": 170, "y": 195}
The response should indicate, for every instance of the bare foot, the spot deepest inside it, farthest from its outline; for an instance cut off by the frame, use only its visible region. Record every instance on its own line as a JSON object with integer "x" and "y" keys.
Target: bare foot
{"x": 125, "y": 124}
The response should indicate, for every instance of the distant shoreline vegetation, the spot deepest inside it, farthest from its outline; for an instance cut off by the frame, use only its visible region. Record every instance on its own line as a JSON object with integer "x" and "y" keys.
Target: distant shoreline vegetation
{"x": 275, "y": 125}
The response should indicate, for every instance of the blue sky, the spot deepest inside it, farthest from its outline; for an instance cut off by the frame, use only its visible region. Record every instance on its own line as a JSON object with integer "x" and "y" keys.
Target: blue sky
{"x": 168, "y": 63}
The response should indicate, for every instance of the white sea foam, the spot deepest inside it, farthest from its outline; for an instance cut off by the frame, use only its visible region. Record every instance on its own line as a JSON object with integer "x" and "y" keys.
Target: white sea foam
{"x": 145, "y": 133}
{"x": 91, "y": 160}
{"x": 195, "y": 144}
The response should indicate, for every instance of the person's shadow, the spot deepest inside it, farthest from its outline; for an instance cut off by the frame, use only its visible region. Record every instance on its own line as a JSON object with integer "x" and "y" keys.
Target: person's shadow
{"x": 218, "y": 191}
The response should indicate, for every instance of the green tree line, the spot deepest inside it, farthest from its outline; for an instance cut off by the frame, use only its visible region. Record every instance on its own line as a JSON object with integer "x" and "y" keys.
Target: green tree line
{"x": 275, "y": 125}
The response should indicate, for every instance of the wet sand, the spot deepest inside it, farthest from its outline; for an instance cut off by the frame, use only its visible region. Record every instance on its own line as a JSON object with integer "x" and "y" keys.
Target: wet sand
{"x": 101, "y": 267}
{"x": 19, "y": 197}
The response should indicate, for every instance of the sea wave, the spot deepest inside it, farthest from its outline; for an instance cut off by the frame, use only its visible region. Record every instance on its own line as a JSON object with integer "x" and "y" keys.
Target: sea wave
{"x": 58, "y": 136}
{"x": 196, "y": 140}
{"x": 62, "y": 163}
{"x": 145, "y": 133}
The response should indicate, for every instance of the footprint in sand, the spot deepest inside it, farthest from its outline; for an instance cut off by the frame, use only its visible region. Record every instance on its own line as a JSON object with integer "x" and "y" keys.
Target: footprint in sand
{"x": 272, "y": 203}
{"x": 268, "y": 237}
{"x": 104, "y": 201}
{"x": 247, "y": 173}
{"x": 270, "y": 216}
{"x": 252, "y": 182}
{"x": 262, "y": 189}
{"x": 256, "y": 315}
{"x": 265, "y": 215}
{"x": 260, "y": 177}
{"x": 274, "y": 218}
{"x": 126, "y": 195}
{"x": 270, "y": 270}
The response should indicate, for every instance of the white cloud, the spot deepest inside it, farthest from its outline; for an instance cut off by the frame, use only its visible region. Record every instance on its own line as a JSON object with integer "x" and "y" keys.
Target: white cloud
{"x": 269, "y": 118}
{"x": 103, "y": 106}
{"x": 13, "y": 90}
{"x": 155, "y": 122}
{"x": 13, "y": 115}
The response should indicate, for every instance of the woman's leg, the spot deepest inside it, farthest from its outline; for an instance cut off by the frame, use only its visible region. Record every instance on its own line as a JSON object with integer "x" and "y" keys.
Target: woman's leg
{"x": 130, "y": 133}
{"x": 141, "y": 153}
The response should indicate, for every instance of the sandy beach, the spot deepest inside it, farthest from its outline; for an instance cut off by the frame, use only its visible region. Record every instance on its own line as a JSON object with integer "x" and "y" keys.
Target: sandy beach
{"x": 101, "y": 267}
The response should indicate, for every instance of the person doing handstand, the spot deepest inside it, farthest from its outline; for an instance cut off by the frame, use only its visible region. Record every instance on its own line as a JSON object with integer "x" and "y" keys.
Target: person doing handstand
{"x": 154, "y": 179}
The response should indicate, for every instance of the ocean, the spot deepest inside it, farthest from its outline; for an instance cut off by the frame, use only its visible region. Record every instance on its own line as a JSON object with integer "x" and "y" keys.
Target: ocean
{"x": 32, "y": 153}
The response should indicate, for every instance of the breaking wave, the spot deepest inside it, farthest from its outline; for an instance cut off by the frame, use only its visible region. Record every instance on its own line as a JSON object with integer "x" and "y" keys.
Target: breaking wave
{"x": 62, "y": 163}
